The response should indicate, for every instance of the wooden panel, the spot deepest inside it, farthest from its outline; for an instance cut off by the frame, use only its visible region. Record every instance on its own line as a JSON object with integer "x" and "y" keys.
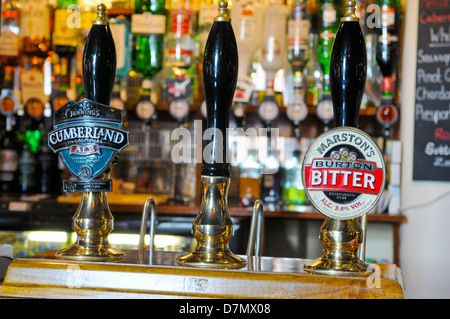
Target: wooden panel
{"x": 44, "y": 276}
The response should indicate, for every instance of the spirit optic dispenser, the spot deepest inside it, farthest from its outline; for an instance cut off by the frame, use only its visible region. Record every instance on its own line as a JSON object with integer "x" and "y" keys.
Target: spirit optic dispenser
{"x": 88, "y": 135}
{"x": 213, "y": 227}
{"x": 388, "y": 55}
{"x": 344, "y": 170}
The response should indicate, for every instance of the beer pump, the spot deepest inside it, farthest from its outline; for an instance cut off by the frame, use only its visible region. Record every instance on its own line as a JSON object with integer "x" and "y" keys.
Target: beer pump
{"x": 213, "y": 227}
{"x": 344, "y": 170}
{"x": 88, "y": 135}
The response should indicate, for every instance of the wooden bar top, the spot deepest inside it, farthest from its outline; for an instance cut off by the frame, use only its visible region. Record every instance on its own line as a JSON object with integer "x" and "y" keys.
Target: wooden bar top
{"x": 45, "y": 276}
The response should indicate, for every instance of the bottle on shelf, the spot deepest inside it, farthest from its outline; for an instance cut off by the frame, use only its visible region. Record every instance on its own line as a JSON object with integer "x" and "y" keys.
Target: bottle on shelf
{"x": 36, "y": 45}
{"x": 313, "y": 10}
{"x": 10, "y": 44}
{"x": 35, "y": 18}
{"x": 9, "y": 157}
{"x": 179, "y": 109}
{"x": 313, "y": 75}
{"x": 8, "y": 100}
{"x": 271, "y": 178}
{"x": 27, "y": 170}
{"x": 61, "y": 85}
{"x": 388, "y": 46}
{"x": 328, "y": 24}
{"x": 293, "y": 191}
{"x": 66, "y": 36}
{"x": 48, "y": 169}
{"x": 28, "y": 126}
{"x": 123, "y": 40}
{"x": 188, "y": 183}
{"x": 250, "y": 173}
{"x": 180, "y": 41}
{"x": 116, "y": 98}
{"x": 299, "y": 26}
{"x": 178, "y": 80}
{"x": 148, "y": 25}
{"x": 273, "y": 56}
{"x": 132, "y": 89}
{"x": 373, "y": 83}
{"x": 145, "y": 108}
{"x": 9, "y": 145}
{"x": 65, "y": 40}
{"x": 387, "y": 56}
{"x": 33, "y": 94}
{"x": 29, "y": 137}
{"x": 247, "y": 20}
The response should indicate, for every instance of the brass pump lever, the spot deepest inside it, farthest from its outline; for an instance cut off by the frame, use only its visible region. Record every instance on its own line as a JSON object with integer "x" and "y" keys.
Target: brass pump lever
{"x": 213, "y": 227}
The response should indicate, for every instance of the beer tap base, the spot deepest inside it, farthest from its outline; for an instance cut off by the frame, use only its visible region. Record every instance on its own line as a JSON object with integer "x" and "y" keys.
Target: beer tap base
{"x": 341, "y": 240}
{"x": 88, "y": 253}
{"x": 338, "y": 268}
{"x": 222, "y": 260}
{"x": 213, "y": 229}
{"x": 92, "y": 222}
{"x": 212, "y": 251}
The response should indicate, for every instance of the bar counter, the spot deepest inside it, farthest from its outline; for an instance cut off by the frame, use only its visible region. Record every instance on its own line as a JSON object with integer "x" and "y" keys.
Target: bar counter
{"x": 45, "y": 276}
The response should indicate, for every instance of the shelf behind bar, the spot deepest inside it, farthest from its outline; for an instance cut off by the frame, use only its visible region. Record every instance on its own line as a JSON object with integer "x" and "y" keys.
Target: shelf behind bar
{"x": 306, "y": 212}
{"x": 311, "y": 213}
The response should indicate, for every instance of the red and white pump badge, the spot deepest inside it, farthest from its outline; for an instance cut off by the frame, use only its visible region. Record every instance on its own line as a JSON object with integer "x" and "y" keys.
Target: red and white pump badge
{"x": 344, "y": 173}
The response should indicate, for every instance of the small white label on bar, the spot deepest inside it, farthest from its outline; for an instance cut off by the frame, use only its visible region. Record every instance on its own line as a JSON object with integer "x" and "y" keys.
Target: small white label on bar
{"x": 19, "y": 206}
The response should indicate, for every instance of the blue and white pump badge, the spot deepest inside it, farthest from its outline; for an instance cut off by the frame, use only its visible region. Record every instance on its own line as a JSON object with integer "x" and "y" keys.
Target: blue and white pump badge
{"x": 88, "y": 135}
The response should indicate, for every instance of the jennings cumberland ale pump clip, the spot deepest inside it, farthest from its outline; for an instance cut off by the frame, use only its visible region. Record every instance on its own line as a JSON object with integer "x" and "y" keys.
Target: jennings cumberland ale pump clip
{"x": 344, "y": 170}
{"x": 88, "y": 135}
{"x": 213, "y": 227}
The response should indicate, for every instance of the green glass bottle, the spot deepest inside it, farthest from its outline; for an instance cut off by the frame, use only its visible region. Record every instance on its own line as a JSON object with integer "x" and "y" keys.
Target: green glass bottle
{"x": 313, "y": 75}
{"x": 293, "y": 191}
{"x": 388, "y": 46}
{"x": 148, "y": 24}
{"x": 328, "y": 24}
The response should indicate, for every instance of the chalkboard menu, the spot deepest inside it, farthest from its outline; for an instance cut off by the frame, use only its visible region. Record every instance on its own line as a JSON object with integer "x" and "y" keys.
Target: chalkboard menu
{"x": 432, "y": 95}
